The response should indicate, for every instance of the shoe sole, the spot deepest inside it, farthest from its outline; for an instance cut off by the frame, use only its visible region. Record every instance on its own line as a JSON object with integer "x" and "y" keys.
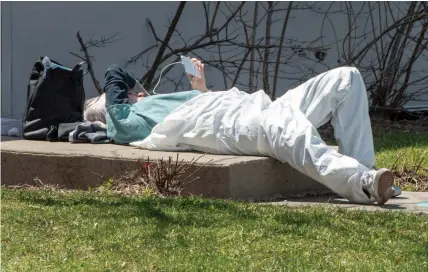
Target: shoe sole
{"x": 384, "y": 187}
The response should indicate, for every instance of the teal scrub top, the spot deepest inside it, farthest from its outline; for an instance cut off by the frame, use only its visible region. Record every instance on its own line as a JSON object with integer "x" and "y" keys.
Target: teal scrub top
{"x": 128, "y": 123}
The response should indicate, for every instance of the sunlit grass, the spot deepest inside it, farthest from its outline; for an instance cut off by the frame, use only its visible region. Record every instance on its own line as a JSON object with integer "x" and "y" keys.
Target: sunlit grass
{"x": 83, "y": 231}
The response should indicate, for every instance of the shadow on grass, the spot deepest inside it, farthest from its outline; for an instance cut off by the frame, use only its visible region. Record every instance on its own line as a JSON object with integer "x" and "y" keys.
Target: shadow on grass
{"x": 151, "y": 207}
{"x": 394, "y": 140}
{"x": 186, "y": 212}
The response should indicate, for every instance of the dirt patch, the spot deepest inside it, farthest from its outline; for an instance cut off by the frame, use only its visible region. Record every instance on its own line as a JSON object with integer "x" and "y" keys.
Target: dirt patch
{"x": 410, "y": 181}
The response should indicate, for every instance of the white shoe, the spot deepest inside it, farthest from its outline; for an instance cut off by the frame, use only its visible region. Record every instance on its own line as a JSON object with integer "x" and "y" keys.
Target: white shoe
{"x": 382, "y": 185}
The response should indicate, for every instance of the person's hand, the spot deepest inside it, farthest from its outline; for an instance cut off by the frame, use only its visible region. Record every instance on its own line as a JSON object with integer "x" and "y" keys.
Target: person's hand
{"x": 140, "y": 96}
{"x": 196, "y": 82}
{"x": 134, "y": 97}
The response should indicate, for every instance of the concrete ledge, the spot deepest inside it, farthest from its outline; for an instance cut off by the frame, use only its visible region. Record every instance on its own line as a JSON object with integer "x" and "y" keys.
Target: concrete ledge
{"x": 83, "y": 165}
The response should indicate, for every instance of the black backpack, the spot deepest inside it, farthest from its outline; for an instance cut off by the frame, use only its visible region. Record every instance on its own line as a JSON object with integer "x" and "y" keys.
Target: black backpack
{"x": 54, "y": 97}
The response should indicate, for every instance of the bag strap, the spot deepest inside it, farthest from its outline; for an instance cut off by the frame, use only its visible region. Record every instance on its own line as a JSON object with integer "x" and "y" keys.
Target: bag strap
{"x": 79, "y": 66}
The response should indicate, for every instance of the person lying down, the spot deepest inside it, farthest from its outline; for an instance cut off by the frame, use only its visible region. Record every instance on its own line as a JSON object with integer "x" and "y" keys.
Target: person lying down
{"x": 234, "y": 122}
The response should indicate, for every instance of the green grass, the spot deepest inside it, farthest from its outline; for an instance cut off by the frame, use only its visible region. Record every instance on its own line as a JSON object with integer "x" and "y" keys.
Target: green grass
{"x": 407, "y": 155}
{"x": 84, "y": 231}
{"x": 409, "y": 148}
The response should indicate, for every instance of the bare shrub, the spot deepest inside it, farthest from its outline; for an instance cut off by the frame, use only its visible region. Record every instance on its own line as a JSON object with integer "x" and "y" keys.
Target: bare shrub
{"x": 161, "y": 177}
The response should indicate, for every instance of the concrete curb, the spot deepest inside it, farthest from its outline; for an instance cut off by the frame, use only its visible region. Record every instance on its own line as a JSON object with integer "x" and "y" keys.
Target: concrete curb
{"x": 416, "y": 202}
{"x": 87, "y": 165}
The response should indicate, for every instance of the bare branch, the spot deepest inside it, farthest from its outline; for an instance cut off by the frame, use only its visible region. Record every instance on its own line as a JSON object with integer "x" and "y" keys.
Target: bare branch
{"x": 221, "y": 63}
{"x": 151, "y": 73}
{"x": 410, "y": 64}
{"x": 267, "y": 43}
{"x": 140, "y": 55}
{"x": 253, "y": 42}
{"x": 217, "y": 4}
{"x": 206, "y": 11}
{"x": 103, "y": 41}
{"x": 89, "y": 63}
{"x": 238, "y": 71}
{"x": 278, "y": 59}
{"x": 80, "y": 57}
{"x": 399, "y": 23}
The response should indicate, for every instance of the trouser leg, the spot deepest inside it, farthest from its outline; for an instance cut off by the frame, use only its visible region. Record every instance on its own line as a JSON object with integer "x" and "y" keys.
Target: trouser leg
{"x": 339, "y": 95}
{"x": 293, "y": 139}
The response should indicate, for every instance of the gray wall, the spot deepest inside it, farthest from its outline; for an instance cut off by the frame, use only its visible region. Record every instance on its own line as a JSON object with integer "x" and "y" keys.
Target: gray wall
{"x": 34, "y": 29}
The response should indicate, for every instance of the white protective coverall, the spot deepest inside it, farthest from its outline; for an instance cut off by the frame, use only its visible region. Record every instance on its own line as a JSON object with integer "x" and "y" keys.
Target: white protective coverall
{"x": 234, "y": 122}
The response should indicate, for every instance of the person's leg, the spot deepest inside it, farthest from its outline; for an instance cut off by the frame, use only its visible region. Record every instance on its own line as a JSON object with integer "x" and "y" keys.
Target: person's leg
{"x": 339, "y": 95}
{"x": 118, "y": 84}
{"x": 287, "y": 135}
